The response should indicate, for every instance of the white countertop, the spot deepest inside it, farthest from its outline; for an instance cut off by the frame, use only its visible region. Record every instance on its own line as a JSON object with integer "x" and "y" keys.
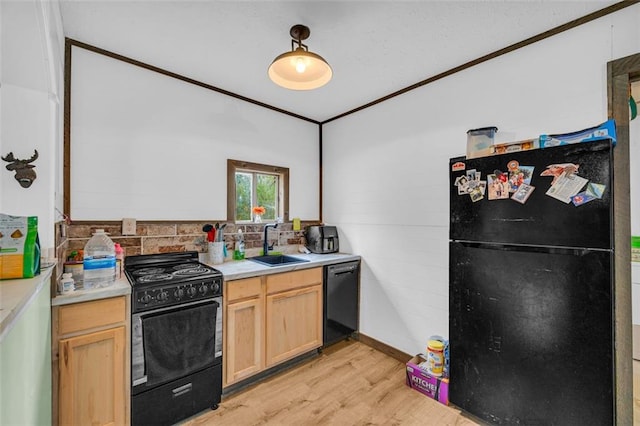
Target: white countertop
{"x": 232, "y": 270}
{"x": 238, "y": 269}
{"x": 119, "y": 288}
{"x": 15, "y": 296}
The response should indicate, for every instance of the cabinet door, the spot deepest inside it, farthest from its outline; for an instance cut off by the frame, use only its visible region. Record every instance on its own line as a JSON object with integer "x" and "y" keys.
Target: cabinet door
{"x": 294, "y": 323}
{"x": 92, "y": 382}
{"x": 243, "y": 355}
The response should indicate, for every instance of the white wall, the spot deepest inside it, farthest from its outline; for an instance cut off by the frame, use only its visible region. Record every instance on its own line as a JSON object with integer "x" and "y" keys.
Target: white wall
{"x": 152, "y": 147}
{"x": 30, "y": 105}
{"x": 386, "y": 168}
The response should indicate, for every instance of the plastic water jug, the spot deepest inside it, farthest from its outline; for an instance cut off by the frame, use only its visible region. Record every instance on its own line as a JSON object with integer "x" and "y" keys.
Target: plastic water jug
{"x": 99, "y": 261}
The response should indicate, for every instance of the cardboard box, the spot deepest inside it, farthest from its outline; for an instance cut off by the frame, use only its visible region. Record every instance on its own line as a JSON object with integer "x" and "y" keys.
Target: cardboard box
{"x": 606, "y": 130}
{"x": 509, "y": 147}
{"x": 434, "y": 387}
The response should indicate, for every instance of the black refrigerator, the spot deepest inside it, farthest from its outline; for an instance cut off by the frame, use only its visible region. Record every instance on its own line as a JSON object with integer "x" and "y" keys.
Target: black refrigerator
{"x": 530, "y": 286}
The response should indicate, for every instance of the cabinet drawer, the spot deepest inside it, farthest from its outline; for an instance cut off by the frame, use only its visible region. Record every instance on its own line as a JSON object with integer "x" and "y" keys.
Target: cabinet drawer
{"x": 88, "y": 315}
{"x": 242, "y": 289}
{"x": 290, "y": 280}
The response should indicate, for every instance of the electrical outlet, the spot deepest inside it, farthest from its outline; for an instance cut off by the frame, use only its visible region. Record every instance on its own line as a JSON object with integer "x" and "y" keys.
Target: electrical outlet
{"x": 128, "y": 226}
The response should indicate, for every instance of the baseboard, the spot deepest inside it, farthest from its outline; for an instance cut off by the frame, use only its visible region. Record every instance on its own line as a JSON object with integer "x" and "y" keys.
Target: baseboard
{"x": 636, "y": 341}
{"x": 384, "y": 348}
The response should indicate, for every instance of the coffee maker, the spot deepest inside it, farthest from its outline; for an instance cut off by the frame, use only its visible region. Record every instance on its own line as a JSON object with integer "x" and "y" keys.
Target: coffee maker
{"x": 322, "y": 239}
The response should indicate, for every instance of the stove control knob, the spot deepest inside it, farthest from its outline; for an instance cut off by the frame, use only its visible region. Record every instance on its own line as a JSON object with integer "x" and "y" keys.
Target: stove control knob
{"x": 191, "y": 291}
{"x": 146, "y": 298}
{"x": 163, "y": 296}
{"x": 179, "y": 293}
{"x": 203, "y": 289}
{"x": 215, "y": 287}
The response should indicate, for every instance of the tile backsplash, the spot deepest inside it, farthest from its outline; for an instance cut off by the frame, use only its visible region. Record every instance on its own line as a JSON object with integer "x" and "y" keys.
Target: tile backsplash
{"x": 164, "y": 237}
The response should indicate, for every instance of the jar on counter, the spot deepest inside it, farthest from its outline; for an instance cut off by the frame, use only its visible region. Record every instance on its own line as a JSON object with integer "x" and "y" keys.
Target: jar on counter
{"x": 67, "y": 284}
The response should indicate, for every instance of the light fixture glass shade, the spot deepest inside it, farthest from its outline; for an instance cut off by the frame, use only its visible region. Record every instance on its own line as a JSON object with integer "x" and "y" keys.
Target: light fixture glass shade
{"x": 300, "y": 70}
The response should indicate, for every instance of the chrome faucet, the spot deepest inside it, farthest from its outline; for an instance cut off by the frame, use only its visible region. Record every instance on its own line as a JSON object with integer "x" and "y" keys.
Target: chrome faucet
{"x": 266, "y": 247}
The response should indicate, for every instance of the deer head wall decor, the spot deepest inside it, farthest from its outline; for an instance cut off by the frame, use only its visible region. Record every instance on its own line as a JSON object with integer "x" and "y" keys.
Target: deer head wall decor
{"x": 25, "y": 174}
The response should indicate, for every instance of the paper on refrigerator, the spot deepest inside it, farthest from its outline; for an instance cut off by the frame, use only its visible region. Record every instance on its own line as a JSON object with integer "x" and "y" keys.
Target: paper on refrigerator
{"x": 566, "y": 186}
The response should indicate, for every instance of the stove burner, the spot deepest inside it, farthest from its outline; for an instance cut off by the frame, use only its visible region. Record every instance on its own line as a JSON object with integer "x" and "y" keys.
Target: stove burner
{"x": 149, "y": 271}
{"x": 184, "y": 266}
{"x": 197, "y": 270}
{"x": 151, "y": 278}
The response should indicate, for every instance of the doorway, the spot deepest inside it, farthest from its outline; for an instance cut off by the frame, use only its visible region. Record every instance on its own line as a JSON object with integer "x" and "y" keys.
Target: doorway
{"x": 620, "y": 73}
{"x": 634, "y": 173}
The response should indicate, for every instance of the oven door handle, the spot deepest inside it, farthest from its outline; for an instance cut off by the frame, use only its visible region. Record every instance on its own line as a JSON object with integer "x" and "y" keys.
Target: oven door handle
{"x": 140, "y": 381}
{"x": 186, "y": 305}
{"x": 181, "y": 390}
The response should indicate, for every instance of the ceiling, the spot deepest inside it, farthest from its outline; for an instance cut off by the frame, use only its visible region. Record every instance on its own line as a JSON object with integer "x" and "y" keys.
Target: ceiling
{"x": 374, "y": 47}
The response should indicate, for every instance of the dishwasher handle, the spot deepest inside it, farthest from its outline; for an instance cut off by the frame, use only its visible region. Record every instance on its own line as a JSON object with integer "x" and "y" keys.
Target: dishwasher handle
{"x": 348, "y": 268}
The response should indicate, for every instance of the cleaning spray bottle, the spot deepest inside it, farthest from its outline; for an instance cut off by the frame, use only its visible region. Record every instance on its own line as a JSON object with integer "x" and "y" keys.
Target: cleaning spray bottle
{"x": 238, "y": 253}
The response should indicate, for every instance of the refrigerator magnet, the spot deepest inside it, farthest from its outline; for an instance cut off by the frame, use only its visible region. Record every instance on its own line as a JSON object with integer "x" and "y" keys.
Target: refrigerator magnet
{"x": 595, "y": 189}
{"x": 523, "y": 193}
{"x": 519, "y": 176}
{"x": 458, "y": 166}
{"x": 463, "y": 185}
{"x": 483, "y": 186}
{"x": 498, "y": 188}
{"x": 582, "y": 198}
{"x": 476, "y": 194}
{"x": 473, "y": 175}
{"x": 556, "y": 170}
{"x": 501, "y": 175}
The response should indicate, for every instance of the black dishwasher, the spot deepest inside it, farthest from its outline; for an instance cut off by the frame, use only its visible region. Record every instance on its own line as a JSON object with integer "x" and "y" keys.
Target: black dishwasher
{"x": 341, "y": 296}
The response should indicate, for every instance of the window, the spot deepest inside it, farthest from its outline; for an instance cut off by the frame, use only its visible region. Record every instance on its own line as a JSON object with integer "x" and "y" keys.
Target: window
{"x": 251, "y": 185}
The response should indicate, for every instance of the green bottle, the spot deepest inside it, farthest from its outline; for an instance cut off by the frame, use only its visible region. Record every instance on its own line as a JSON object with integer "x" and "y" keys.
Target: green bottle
{"x": 238, "y": 253}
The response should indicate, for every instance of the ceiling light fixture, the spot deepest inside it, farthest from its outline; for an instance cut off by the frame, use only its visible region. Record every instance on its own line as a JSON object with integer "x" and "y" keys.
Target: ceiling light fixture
{"x": 300, "y": 69}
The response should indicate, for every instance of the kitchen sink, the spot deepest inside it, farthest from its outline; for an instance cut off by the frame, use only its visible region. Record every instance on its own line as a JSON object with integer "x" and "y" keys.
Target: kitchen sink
{"x": 276, "y": 260}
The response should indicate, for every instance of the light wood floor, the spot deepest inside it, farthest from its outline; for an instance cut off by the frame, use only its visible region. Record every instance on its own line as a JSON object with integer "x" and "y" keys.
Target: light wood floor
{"x": 348, "y": 384}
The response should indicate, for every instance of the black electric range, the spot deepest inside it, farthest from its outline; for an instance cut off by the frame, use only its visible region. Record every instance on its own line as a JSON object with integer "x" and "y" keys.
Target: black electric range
{"x": 176, "y": 337}
{"x": 167, "y": 279}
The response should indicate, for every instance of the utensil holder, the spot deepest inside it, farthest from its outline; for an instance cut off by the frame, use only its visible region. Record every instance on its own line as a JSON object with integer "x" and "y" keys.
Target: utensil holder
{"x": 216, "y": 252}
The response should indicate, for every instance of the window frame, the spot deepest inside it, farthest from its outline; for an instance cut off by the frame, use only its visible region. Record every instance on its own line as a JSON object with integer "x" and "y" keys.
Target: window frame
{"x": 234, "y": 166}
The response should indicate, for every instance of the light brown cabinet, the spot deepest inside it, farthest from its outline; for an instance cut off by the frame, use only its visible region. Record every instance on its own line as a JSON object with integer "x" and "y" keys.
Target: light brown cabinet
{"x": 269, "y": 320}
{"x": 91, "y": 384}
{"x": 244, "y": 323}
{"x": 293, "y": 314}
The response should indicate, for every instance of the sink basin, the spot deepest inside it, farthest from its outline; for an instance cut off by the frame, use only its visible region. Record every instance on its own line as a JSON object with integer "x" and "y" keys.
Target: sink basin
{"x": 276, "y": 260}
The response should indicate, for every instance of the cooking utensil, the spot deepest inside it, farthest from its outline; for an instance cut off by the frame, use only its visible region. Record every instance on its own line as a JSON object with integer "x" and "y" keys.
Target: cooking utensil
{"x": 211, "y": 232}
{"x": 221, "y": 233}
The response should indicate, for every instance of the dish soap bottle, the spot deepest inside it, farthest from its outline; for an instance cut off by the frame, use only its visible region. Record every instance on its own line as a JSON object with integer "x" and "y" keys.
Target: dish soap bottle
{"x": 238, "y": 253}
{"x": 119, "y": 260}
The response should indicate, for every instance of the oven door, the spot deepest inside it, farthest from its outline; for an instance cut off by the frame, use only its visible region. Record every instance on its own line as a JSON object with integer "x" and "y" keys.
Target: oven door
{"x": 173, "y": 342}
